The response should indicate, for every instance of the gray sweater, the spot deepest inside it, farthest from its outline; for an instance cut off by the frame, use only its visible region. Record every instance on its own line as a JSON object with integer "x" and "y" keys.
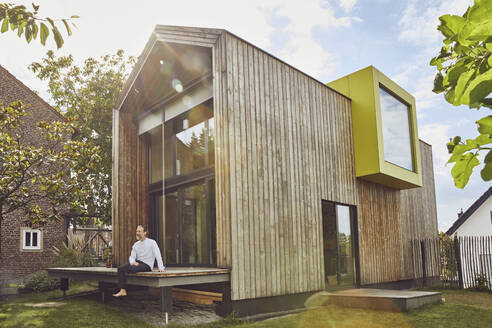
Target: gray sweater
{"x": 146, "y": 251}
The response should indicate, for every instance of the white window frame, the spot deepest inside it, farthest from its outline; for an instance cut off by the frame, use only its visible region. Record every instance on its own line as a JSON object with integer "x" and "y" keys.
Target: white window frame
{"x": 24, "y": 246}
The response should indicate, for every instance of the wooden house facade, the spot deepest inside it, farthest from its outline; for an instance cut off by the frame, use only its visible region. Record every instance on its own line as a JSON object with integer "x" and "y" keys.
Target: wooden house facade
{"x": 235, "y": 159}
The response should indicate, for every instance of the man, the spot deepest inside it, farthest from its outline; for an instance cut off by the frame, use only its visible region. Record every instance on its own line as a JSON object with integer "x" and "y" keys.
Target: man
{"x": 144, "y": 252}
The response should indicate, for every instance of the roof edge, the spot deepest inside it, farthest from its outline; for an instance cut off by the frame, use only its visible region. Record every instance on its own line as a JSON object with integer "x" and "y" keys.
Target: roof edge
{"x": 60, "y": 115}
{"x": 476, "y": 205}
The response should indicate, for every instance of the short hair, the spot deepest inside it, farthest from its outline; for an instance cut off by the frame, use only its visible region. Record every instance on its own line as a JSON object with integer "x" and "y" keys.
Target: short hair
{"x": 143, "y": 227}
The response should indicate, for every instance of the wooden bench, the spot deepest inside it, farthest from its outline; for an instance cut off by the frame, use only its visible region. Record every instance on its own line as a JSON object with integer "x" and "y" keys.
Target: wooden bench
{"x": 174, "y": 276}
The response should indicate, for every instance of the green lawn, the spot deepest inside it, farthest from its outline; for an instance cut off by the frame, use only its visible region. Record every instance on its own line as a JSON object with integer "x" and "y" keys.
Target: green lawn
{"x": 460, "y": 309}
{"x": 76, "y": 312}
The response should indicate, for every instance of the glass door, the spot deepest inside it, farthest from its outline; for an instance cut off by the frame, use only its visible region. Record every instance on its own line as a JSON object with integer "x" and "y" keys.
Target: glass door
{"x": 339, "y": 244}
{"x": 185, "y": 228}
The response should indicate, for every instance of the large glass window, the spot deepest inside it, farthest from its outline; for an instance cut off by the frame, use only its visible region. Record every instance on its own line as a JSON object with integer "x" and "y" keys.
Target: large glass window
{"x": 183, "y": 214}
{"x": 397, "y": 136}
{"x": 192, "y": 134}
{"x": 188, "y": 143}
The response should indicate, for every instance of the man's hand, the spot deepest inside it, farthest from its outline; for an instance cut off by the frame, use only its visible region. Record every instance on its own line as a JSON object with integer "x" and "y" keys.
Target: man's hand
{"x": 135, "y": 263}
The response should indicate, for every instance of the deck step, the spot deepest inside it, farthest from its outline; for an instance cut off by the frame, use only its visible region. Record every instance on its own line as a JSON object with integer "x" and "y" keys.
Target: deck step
{"x": 383, "y": 299}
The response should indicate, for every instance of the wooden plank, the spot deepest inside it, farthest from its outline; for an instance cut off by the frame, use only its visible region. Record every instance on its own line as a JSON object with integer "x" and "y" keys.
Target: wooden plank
{"x": 231, "y": 74}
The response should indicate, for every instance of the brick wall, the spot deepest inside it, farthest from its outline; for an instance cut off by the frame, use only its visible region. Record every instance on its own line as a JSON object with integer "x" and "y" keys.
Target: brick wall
{"x": 17, "y": 264}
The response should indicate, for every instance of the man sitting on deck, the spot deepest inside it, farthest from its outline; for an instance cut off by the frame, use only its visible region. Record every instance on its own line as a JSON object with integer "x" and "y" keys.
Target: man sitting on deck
{"x": 144, "y": 252}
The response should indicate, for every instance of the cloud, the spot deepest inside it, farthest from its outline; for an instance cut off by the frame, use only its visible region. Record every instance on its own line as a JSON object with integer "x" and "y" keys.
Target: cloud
{"x": 347, "y": 5}
{"x": 300, "y": 49}
{"x": 419, "y": 21}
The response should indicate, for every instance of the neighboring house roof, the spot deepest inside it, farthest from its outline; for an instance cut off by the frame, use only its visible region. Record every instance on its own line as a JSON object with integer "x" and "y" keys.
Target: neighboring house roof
{"x": 463, "y": 217}
{"x": 21, "y": 84}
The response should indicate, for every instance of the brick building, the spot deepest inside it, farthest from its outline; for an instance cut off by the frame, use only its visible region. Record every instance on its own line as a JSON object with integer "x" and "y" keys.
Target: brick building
{"x": 23, "y": 250}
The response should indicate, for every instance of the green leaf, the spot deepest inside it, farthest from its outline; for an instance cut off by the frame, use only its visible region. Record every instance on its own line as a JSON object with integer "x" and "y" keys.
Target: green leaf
{"x": 5, "y": 25}
{"x": 459, "y": 150}
{"x": 450, "y": 145}
{"x": 485, "y": 125}
{"x": 35, "y": 30}
{"x": 58, "y": 37}
{"x": 488, "y": 157}
{"x": 478, "y": 88}
{"x": 44, "y": 33}
{"x": 20, "y": 29}
{"x": 438, "y": 83}
{"x": 51, "y": 22}
{"x": 28, "y": 34}
{"x": 453, "y": 74}
{"x": 69, "y": 31}
{"x": 451, "y": 25}
{"x": 75, "y": 16}
{"x": 463, "y": 169}
{"x": 461, "y": 86}
{"x": 486, "y": 172}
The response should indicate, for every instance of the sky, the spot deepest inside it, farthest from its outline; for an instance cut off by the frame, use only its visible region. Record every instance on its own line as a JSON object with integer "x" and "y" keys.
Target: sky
{"x": 326, "y": 39}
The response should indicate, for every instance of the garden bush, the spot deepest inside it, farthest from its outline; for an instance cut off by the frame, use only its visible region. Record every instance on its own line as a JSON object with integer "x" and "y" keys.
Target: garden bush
{"x": 40, "y": 282}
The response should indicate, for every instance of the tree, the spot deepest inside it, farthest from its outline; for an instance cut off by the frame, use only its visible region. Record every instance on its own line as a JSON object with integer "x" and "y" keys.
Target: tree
{"x": 55, "y": 169}
{"x": 87, "y": 95}
{"x": 28, "y": 22}
{"x": 464, "y": 75}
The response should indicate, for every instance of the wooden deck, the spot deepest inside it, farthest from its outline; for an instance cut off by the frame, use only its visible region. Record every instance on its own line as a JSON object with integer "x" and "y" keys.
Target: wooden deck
{"x": 174, "y": 276}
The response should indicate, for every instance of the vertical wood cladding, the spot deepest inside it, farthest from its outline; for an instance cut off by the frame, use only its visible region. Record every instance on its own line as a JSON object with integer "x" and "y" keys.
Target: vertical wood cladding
{"x": 284, "y": 143}
{"x": 391, "y": 224}
{"x": 130, "y": 175}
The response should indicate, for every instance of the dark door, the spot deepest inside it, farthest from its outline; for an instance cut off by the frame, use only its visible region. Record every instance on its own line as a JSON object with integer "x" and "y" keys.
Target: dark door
{"x": 339, "y": 244}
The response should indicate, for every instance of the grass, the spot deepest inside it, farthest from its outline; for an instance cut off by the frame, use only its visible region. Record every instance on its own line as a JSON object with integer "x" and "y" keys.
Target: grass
{"x": 460, "y": 309}
{"x": 76, "y": 312}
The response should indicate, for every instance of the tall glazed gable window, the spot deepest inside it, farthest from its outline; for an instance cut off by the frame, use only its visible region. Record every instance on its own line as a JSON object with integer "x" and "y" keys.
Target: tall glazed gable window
{"x": 397, "y": 127}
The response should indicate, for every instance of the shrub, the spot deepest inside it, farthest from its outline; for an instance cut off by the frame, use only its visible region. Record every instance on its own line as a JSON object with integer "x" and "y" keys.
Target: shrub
{"x": 481, "y": 283}
{"x": 72, "y": 257}
{"x": 40, "y": 282}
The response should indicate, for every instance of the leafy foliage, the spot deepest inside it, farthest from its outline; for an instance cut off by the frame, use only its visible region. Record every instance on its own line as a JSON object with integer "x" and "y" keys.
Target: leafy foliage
{"x": 66, "y": 256}
{"x": 464, "y": 75}
{"x": 55, "y": 170}
{"x": 40, "y": 282}
{"x": 19, "y": 18}
{"x": 87, "y": 95}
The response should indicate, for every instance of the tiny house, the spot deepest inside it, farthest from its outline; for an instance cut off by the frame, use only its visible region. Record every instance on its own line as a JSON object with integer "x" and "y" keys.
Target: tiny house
{"x": 235, "y": 159}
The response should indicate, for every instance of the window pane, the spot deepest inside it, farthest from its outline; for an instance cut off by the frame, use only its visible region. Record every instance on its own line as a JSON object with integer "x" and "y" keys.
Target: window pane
{"x": 156, "y": 154}
{"x": 27, "y": 238}
{"x": 396, "y": 131}
{"x": 34, "y": 239}
{"x": 172, "y": 229}
{"x": 193, "y": 138}
{"x": 168, "y": 150}
{"x": 195, "y": 237}
{"x": 345, "y": 245}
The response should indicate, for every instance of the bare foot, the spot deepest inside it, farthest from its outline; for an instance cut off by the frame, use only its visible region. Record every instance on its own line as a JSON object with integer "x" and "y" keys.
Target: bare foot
{"x": 120, "y": 293}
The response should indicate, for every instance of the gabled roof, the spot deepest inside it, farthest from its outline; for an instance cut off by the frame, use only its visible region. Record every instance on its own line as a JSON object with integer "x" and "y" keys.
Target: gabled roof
{"x": 196, "y": 36}
{"x": 205, "y": 37}
{"x": 22, "y": 85}
{"x": 463, "y": 217}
